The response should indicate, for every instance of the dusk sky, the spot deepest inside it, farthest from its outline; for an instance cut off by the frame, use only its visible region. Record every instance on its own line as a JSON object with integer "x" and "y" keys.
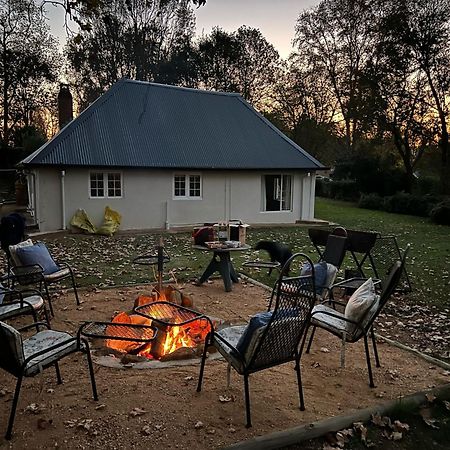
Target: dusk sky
{"x": 275, "y": 18}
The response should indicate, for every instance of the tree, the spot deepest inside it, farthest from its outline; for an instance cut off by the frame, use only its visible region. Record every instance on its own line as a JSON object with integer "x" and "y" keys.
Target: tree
{"x": 337, "y": 37}
{"x": 130, "y": 39}
{"x": 242, "y": 61}
{"x": 28, "y": 63}
{"x": 304, "y": 108}
{"x": 424, "y": 38}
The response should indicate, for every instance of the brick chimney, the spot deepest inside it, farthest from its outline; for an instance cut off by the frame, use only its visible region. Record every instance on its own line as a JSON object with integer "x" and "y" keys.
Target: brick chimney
{"x": 65, "y": 106}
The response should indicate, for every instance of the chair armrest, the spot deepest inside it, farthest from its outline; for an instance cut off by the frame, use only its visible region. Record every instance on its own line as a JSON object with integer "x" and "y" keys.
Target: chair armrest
{"x": 33, "y": 325}
{"x": 27, "y": 274}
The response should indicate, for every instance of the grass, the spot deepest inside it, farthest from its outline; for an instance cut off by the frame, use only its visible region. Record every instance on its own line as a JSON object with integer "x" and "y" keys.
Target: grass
{"x": 429, "y": 259}
{"x": 106, "y": 261}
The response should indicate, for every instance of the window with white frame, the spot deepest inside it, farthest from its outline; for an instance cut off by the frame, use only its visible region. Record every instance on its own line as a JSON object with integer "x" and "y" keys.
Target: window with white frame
{"x": 105, "y": 185}
{"x": 277, "y": 191}
{"x": 187, "y": 186}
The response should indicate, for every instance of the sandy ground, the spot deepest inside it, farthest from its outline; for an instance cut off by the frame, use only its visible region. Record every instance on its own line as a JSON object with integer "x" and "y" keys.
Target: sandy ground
{"x": 176, "y": 416}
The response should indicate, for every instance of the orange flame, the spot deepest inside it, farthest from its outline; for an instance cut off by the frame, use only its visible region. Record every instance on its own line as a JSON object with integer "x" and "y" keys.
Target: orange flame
{"x": 176, "y": 337}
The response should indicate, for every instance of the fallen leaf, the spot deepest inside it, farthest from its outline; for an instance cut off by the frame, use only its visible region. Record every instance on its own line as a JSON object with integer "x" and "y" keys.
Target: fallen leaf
{"x": 33, "y": 408}
{"x": 430, "y": 397}
{"x": 225, "y": 398}
{"x": 85, "y": 423}
{"x": 324, "y": 350}
{"x": 432, "y": 423}
{"x": 198, "y": 425}
{"x": 400, "y": 427}
{"x": 146, "y": 430}
{"x": 396, "y": 436}
{"x": 99, "y": 407}
{"x": 137, "y": 412}
{"x": 447, "y": 405}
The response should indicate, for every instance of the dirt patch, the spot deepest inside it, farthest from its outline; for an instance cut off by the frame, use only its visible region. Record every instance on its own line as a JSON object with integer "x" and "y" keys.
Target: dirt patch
{"x": 172, "y": 414}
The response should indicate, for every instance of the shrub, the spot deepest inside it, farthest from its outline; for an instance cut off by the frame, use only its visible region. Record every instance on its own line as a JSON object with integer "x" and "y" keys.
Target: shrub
{"x": 441, "y": 213}
{"x": 343, "y": 190}
{"x": 402, "y": 203}
{"x": 371, "y": 201}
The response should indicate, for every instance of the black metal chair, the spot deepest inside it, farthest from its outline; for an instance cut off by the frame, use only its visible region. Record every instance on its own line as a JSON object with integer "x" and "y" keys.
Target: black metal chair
{"x": 334, "y": 320}
{"x": 28, "y": 357}
{"x": 274, "y": 343}
{"x": 27, "y": 275}
{"x": 15, "y": 303}
{"x": 12, "y": 231}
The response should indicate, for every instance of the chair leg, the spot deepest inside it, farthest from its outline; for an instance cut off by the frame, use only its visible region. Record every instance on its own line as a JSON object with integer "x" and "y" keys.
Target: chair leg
{"x": 91, "y": 370}
{"x": 375, "y": 349}
{"x": 13, "y": 408}
{"x": 369, "y": 366}
{"x": 311, "y": 339}
{"x": 299, "y": 382}
{"x": 202, "y": 364}
{"x": 74, "y": 286}
{"x": 58, "y": 373}
{"x": 247, "y": 402}
{"x": 47, "y": 293}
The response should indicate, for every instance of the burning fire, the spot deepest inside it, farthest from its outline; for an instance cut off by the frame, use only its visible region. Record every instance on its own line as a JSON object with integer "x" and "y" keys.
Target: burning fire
{"x": 168, "y": 339}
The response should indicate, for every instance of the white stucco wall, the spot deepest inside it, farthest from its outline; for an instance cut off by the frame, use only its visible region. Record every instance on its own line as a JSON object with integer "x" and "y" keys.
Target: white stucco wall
{"x": 148, "y": 202}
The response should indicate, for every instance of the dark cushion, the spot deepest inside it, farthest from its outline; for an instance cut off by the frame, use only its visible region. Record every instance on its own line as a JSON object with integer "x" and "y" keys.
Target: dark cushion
{"x": 320, "y": 274}
{"x": 37, "y": 254}
{"x": 259, "y": 320}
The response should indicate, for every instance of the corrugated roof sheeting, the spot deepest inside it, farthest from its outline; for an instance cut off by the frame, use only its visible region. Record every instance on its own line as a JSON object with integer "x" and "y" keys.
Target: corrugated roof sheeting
{"x": 137, "y": 124}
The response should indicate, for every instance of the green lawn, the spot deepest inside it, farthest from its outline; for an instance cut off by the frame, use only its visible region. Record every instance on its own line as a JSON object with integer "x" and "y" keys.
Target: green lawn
{"x": 429, "y": 259}
{"x": 105, "y": 261}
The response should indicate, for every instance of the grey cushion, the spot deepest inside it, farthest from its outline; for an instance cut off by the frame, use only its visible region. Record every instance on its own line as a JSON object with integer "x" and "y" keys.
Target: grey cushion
{"x": 10, "y": 309}
{"x": 55, "y": 276}
{"x": 42, "y": 340}
{"x": 335, "y": 325}
{"x": 232, "y": 336}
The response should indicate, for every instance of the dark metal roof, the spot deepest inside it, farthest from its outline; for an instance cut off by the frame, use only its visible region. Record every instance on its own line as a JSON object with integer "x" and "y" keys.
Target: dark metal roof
{"x": 140, "y": 124}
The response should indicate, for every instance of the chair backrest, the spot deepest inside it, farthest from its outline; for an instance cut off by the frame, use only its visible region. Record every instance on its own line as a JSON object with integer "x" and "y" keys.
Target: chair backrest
{"x": 12, "y": 230}
{"x": 389, "y": 286}
{"x": 294, "y": 300}
{"x": 11, "y": 355}
{"x": 335, "y": 248}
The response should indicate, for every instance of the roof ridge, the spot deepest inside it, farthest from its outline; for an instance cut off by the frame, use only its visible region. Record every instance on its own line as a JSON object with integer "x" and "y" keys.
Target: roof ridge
{"x": 181, "y": 88}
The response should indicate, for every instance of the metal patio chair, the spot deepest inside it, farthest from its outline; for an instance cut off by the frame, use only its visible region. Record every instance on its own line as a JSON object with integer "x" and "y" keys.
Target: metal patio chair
{"x": 31, "y": 274}
{"x": 333, "y": 320}
{"x": 28, "y": 357}
{"x": 15, "y": 303}
{"x": 276, "y": 341}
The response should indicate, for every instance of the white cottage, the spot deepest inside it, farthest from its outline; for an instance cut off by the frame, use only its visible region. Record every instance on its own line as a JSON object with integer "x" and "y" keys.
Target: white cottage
{"x": 166, "y": 156}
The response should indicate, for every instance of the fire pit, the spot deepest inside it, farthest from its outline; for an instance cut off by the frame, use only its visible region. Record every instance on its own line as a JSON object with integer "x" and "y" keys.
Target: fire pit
{"x": 161, "y": 326}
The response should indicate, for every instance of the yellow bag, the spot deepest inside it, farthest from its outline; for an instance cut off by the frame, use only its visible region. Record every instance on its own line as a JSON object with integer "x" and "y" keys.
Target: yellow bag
{"x": 111, "y": 222}
{"x": 81, "y": 220}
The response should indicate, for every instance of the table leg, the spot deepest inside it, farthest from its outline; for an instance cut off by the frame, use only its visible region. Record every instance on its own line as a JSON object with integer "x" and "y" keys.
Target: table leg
{"x": 221, "y": 262}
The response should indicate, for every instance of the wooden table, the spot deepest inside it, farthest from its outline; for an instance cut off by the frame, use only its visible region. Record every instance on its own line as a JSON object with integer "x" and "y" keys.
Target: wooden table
{"x": 221, "y": 262}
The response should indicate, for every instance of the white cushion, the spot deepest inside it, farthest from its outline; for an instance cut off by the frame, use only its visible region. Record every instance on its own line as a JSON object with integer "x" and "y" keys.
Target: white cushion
{"x": 331, "y": 275}
{"x": 13, "y": 248}
{"x": 360, "y": 302}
